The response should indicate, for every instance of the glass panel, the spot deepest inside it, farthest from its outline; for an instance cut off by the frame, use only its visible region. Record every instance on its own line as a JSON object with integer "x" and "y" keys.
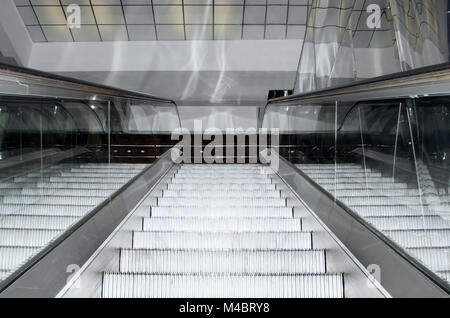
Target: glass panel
{"x": 388, "y": 161}
{"x": 57, "y": 164}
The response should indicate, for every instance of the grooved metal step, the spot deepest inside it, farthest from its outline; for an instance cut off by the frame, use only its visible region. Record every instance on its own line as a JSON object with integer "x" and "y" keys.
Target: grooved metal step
{"x": 221, "y": 212}
{"x": 221, "y": 224}
{"x": 68, "y": 192}
{"x": 45, "y": 209}
{"x": 377, "y": 210}
{"x": 223, "y": 240}
{"x": 381, "y": 200}
{"x": 72, "y": 179}
{"x": 221, "y": 180}
{"x": 220, "y": 186}
{"x": 340, "y": 175}
{"x": 332, "y": 185}
{"x": 225, "y": 202}
{"x": 375, "y": 192}
{"x": 79, "y": 185}
{"x": 437, "y": 259}
{"x": 222, "y": 286}
{"x": 409, "y": 223}
{"x": 420, "y": 238}
{"x": 36, "y": 222}
{"x": 12, "y": 257}
{"x": 222, "y": 194}
{"x": 27, "y": 237}
{"x": 220, "y": 261}
{"x": 57, "y": 200}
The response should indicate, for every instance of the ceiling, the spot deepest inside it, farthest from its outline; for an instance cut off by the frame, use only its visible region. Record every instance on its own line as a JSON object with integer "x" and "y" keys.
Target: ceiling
{"x": 152, "y": 20}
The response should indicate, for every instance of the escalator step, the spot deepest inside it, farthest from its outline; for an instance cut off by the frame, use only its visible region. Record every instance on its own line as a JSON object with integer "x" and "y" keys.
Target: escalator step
{"x": 56, "y": 200}
{"x": 223, "y": 286}
{"x": 409, "y": 223}
{"x": 332, "y": 170}
{"x": 222, "y": 194}
{"x": 12, "y": 191}
{"x": 235, "y": 262}
{"x": 188, "y": 174}
{"x": 356, "y": 186}
{"x": 79, "y": 185}
{"x": 36, "y": 222}
{"x": 224, "y": 187}
{"x": 72, "y": 179}
{"x": 225, "y": 202}
{"x": 340, "y": 175}
{"x": 113, "y": 165}
{"x": 437, "y": 259}
{"x": 106, "y": 170}
{"x": 380, "y": 200}
{"x": 29, "y": 238}
{"x": 329, "y": 165}
{"x": 90, "y": 179}
{"x": 222, "y": 240}
{"x": 68, "y": 192}
{"x": 12, "y": 257}
{"x": 16, "y": 185}
{"x": 112, "y": 174}
{"x": 418, "y": 238}
{"x": 361, "y": 180}
{"x": 375, "y": 192}
{"x": 221, "y": 212}
{"x": 212, "y": 180}
{"x": 391, "y": 210}
{"x": 42, "y": 209}
{"x": 222, "y": 224}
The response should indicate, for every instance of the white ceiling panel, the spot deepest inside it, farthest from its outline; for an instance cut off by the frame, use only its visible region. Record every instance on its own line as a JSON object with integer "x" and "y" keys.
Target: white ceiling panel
{"x": 50, "y": 15}
{"x": 143, "y": 20}
{"x": 228, "y": 14}
{"x": 87, "y": 33}
{"x": 142, "y": 32}
{"x": 57, "y": 33}
{"x": 199, "y": 32}
{"x": 109, "y": 15}
{"x": 170, "y": 32}
{"x": 169, "y": 14}
{"x": 198, "y": 14}
{"x": 138, "y": 14}
{"x": 227, "y": 32}
{"x": 255, "y": 15}
{"x": 113, "y": 32}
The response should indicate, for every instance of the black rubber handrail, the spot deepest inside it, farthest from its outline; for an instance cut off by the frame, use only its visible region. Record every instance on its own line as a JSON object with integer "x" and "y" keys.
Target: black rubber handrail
{"x": 445, "y": 67}
{"x": 70, "y": 82}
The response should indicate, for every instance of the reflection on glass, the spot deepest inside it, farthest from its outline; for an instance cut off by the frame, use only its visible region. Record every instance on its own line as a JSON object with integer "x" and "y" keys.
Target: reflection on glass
{"x": 388, "y": 161}
{"x": 56, "y": 165}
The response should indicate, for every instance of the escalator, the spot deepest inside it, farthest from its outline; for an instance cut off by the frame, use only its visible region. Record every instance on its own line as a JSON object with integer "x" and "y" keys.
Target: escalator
{"x": 227, "y": 226}
{"x": 399, "y": 211}
{"x": 38, "y": 206}
{"x": 335, "y": 219}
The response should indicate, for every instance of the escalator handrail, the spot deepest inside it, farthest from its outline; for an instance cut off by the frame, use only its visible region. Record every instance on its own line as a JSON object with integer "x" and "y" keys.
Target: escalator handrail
{"x": 77, "y": 85}
{"x": 439, "y": 72}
